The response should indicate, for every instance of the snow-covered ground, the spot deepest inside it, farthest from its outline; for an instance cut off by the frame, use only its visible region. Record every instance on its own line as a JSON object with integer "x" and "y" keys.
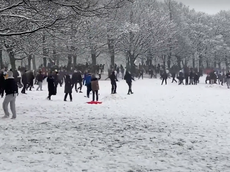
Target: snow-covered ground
{"x": 160, "y": 128}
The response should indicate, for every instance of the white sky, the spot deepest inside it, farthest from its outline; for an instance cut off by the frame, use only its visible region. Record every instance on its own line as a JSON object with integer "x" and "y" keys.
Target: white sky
{"x": 207, "y": 6}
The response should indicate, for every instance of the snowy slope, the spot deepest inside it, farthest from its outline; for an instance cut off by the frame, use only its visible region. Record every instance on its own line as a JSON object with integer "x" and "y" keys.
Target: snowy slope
{"x": 160, "y": 128}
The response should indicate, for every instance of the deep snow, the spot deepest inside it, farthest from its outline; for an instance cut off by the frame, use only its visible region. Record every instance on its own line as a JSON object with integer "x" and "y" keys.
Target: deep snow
{"x": 160, "y": 128}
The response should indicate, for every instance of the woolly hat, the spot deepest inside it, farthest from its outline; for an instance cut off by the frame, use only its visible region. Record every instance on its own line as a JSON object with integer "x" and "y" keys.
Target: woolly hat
{"x": 10, "y": 74}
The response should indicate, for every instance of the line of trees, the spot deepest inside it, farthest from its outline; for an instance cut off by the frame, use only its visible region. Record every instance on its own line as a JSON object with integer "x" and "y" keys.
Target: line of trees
{"x": 141, "y": 31}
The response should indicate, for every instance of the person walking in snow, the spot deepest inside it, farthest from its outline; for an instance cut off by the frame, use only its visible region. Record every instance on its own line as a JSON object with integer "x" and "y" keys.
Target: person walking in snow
{"x": 30, "y": 77}
{"x": 228, "y": 79}
{"x": 24, "y": 82}
{"x": 164, "y": 78}
{"x": 181, "y": 77}
{"x": 68, "y": 88}
{"x": 40, "y": 77}
{"x": 128, "y": 78}
{"x": 77, "y": 79}
{"x": 113, "y": 80}
{"x": 173, "y": 77}
{"x": 95, "y": 86}
{"x": 11, "y": 91}
{"x": 87, "y": 83}
{"x": 52, "y": 89}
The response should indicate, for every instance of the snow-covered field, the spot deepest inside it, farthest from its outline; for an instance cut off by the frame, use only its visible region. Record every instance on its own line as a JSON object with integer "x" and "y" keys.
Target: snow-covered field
{"x": 160, "y": 128}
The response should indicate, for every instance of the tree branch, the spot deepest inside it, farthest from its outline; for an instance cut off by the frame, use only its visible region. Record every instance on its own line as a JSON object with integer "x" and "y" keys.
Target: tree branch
{"x": 12, "y": 6}
{"x": 30, "y": 31}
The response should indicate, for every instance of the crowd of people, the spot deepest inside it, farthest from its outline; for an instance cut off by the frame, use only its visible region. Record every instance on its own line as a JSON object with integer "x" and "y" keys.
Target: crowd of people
{"x": 10, "y": 82}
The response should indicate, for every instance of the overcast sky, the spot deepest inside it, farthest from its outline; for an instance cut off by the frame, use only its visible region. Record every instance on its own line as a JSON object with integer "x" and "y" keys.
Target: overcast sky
{"x": 207, "y": 6}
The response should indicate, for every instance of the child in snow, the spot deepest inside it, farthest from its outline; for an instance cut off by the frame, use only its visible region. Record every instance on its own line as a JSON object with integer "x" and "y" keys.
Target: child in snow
{"x": 95, "y": 87}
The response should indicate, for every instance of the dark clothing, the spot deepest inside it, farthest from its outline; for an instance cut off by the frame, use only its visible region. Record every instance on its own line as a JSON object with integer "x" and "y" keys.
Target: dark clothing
{"x": 114, "y": 88}
{"x": 228, "y": 75}
{"x": 173, "y": 77}
{"x": 164, "y": 75}
{"x": 2, "y": 81}
{"x": 24, "y": 79}
{"x": 68, "y": 85}
{"x": 128, "y": 78}
{"x": 113, "y": 80}
{"x": 88, "y": 90}
{"x": 164, "y": 78}
{"x": 181, "y": 78}
{"x": 56, "y": 79}
{"x": 95, "y": 93}
{"x": 76, "y": 77}
{"x": 30, "y": 79}
{"x": 40, "y": 77}
{"x": 10, "y": 86}
{"x": 51, "y": 86}
{"x": 24, "y": 82}
{"x": 70, "y": 96}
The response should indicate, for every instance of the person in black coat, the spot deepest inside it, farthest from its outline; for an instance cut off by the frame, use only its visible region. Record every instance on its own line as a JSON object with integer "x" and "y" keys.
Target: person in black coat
{"x": 2, "y": 80}
{"x": 24, "y": 82}
{"x": 173, "y": 77}
{"x": 51, "y": 86}
{"x": 77, "y": 79}
{"x": 30, "y": 79}
{"x": 40, "y": 77}
{"x": 181, "y": 77}
{"x": 128, "y": 78}
{"x": 68, "y": 88}
{"x": 164, "y": 78}
{"x": 113, "y": 80}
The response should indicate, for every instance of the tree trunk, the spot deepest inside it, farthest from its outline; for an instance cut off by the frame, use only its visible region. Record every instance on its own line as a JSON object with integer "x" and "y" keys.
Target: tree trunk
{"x": 34, "y": 62}
{"x": 193, "y": 63}
{"x": 75, "y": 61}
{"x": 69, "y": 62}
{"x": 29, "y": 61}
{"x": 178, "y": 62}
{"x": 58, "y": 59}
{"x": 54, "y": 56}
{"x": 200, "y": 62}
{"x": 12, "y": 59}
{"x": 111, "y": 51}
{"x": 1, "y": 61}
{"x": 169, "y": 60}
{"x": 164, "y": 62}
{"x": 94, "y": 58}
{"x": 185, "y": 62}
{"x": 207, "y": 64}
{"x": 215, "y": 64}
{"x": 226, "y": 63}
{"x": 45, "y": 50}
{"x": 132, "y": 64}
{"x": 219, "y": 65}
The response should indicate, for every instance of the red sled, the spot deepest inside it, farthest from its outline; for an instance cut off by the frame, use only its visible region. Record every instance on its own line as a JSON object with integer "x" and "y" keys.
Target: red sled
{"x": 94, "y": 103}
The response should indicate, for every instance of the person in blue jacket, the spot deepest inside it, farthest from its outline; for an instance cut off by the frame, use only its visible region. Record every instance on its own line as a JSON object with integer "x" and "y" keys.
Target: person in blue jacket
{"x": 87, "y": 83}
